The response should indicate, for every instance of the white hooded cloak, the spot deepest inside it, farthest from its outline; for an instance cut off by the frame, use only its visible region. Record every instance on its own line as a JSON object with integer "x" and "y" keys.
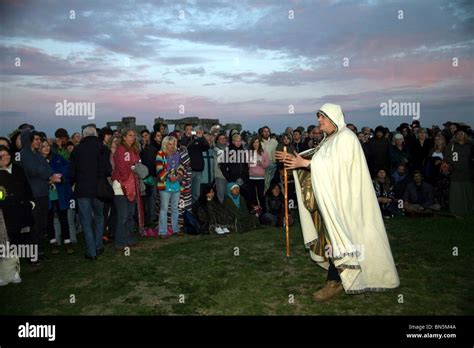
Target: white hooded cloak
{"x": 350, "y": 212}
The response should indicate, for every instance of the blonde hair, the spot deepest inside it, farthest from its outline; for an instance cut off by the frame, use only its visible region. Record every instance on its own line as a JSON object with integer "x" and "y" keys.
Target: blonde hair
{"x": 235, "y": 136}
{"x": 166, "y": 140}
{"x": 443, "y": 144}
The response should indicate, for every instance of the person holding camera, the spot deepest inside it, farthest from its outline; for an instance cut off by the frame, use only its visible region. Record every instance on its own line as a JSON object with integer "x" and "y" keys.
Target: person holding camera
{"x": 196, "y": 143}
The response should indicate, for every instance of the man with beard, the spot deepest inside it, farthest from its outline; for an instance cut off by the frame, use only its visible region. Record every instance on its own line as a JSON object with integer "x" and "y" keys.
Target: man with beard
{"x": 269, "y": 146}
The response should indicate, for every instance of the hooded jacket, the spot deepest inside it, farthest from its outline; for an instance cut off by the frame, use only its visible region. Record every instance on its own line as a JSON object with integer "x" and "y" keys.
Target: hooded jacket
{"x": 36, "y": 167}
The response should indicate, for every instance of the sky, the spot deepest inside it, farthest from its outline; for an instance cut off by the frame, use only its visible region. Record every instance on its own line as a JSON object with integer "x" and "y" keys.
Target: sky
{"x": 251, "y": 62}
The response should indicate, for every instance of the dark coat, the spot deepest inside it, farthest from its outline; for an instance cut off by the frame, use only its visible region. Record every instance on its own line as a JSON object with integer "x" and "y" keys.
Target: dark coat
{"x": 426, "y": 198}
{"x": 379, "y": 154}
{"x": 212, "y": 214}
{"x": 301, "y": 146}
{"x": 16, "y": 206}
{"x": 196, "y": 146}
{"x": 64, "y": 189}
{"x": 398, "y": 156}
{"x": 419, "y": 153}
{"x": 462, "y": 168}
{"x": 89, "y": 162}
{"x": 234, "y": 171}
{"x": 274, "y": 205}
{"x": 148, "y": 157}
{"x": 36, "y": 167}
{"x": 244, "y": 221}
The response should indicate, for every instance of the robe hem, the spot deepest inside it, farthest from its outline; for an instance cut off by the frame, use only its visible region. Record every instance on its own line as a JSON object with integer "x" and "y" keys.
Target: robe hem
{"x": 361, "y": 291}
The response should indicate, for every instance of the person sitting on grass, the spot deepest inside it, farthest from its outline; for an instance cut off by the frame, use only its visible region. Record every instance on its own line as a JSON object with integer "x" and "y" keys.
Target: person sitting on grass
{"x": 211, "y": 215}
{"x": 274, "y": 206}
{"x": 419, "y": 196}
{"x": 237, "y": 208}
{"x": 385, "y": 194}
{"x": 400, "y": 180}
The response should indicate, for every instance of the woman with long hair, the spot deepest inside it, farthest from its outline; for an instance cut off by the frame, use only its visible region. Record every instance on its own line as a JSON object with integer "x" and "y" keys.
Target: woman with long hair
{"x": 274, "y": 206}
{"x": 110, "y": 213}
{"x": 126, "y": 187}
{"x": 384, "y": 193}
{"x": 169, "y": 172}
{"x": 259, "y": 162}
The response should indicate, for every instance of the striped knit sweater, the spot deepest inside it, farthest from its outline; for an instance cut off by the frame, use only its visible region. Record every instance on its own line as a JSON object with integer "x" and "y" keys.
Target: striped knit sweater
{"x": 163, "y": 169}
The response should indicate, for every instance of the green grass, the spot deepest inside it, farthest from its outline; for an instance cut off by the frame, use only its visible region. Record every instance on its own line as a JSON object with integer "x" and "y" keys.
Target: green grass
{"x": 257, "y": 282}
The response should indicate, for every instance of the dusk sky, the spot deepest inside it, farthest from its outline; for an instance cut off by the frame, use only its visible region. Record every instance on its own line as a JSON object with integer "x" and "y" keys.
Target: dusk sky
{"x": 248, "y": 62}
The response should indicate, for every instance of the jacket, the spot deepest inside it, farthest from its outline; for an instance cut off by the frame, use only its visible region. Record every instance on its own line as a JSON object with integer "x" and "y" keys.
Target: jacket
{"x": 89, "y": 162}
{"x": 61, "y": 166}
{"x": 258, "y": 170}
{"x": 426, "y": 198}
{"x": 36, "y": 167}
{"x": 195, "y": 147}
{"x": 234, "y": 171}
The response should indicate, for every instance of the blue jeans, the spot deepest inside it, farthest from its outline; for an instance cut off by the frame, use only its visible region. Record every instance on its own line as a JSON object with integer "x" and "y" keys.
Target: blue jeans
{"x": 269, "y": 174}
{"x": 221, "y": 188}
{"x": 151, "y": 209}
{"x": 165, "y": 198}
{"x": 125, "y": 224}
{"x": 196, "y": 185}
{"x": 92, "y": 208}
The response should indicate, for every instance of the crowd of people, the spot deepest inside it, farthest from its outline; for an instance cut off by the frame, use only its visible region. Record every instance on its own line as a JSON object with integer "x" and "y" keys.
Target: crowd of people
{"x": 114, "y": 185}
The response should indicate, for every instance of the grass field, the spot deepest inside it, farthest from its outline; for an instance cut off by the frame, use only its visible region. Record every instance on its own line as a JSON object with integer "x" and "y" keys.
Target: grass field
{"x": 259, "y": 281}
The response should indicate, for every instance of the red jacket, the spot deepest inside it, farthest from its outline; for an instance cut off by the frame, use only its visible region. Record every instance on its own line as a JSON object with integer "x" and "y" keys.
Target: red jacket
{"x": 123, "y": 161}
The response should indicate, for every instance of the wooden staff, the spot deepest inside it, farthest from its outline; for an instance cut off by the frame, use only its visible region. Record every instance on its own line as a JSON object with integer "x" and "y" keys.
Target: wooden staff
{"x": 287, "y": 228}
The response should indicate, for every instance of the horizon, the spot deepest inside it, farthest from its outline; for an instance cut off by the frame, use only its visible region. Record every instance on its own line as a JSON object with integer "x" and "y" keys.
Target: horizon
{"x": 253, "y": 62}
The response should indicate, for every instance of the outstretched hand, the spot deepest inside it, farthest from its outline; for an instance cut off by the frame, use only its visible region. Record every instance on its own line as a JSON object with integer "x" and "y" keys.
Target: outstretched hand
{"x": 280, "y": 155}
{"x": 292, "y": 161}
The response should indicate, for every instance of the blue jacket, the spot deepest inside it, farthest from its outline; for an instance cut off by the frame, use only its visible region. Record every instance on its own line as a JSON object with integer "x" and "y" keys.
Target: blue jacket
{"x": 60, "y": 165}
{"x": 36, "y": 167}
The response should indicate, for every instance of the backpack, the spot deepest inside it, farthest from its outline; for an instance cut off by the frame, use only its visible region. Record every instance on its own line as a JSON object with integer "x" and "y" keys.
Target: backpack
{"x": 191, "y": 225}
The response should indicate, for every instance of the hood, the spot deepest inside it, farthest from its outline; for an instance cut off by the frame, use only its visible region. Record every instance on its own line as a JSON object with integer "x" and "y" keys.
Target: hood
{"x": 25, "y": 140}
{"x": 334, "y": 113}
{"x": 236, "y": 199}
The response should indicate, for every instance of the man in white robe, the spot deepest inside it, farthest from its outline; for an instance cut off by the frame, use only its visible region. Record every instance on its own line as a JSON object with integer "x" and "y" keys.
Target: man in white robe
{"x": 360, "y": 257}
